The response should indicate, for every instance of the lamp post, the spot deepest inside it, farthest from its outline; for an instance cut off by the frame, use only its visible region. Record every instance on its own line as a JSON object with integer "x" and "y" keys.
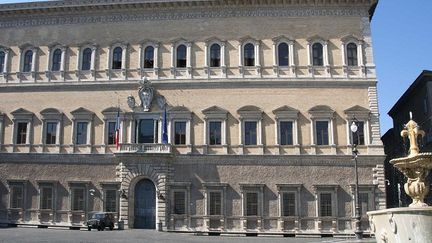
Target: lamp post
{"x": 358, "y": 232}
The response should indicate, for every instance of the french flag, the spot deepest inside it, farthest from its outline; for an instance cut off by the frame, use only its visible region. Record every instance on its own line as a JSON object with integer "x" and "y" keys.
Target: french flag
{"x": 117, "y": 130}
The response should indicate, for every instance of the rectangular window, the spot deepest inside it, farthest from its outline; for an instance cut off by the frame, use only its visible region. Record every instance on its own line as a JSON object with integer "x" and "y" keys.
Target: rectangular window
{"x": 288, "y": 204}
{"x": 326, "y": 205}
{"x": 17, "y": 197}
{"x": 358, "y": 137}
{"x": 250, "y": 133}
{"x": 364, "y": 203}
{"x": 21, "y": 136}
{"x": 180, "y": 132}
{"x": 111, "y": 200}
{"x": 111, "y": 132}
{"x": 321, "y": 132}
{"x": 179, "y": 202}
{"x": 215, "y": 203}
{"x": 46, "y": 195}
{"x": 215, "y": 133}
{"x": 78, "y": 199}
{"x": 51, "y": 133}
{"x": 286, "y": 133}
{"x": 81, "y": 133}
{"x": 251, "y": 204}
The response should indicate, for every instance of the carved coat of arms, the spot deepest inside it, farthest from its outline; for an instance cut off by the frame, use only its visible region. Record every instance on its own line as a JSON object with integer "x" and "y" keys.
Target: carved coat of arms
{"x": 145, "y": 93}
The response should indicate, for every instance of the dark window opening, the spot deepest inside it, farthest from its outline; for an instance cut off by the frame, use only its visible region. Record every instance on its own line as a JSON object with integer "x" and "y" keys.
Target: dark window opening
{"x": 215, "y": 55}
{"x": 317, "y": 54}
{"x": 28, "y": 61}
{"x": 149, "y": 57}
{"x": 117, "y": 58}
{"x": 56, "y": 60}
{"x": 86, "y": 59}
{"x": 249, "y": 55}
{"x": 283, "y": 56}
{"x": 181, "y": 56}
{"x": 352, "y": 54}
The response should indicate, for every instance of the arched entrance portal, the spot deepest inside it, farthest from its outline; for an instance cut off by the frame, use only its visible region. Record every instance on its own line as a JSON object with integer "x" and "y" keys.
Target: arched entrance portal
{"x": 145, "y": 205}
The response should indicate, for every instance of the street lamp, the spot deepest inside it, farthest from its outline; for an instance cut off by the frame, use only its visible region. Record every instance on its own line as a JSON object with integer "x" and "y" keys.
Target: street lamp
{"x": 358, "y": 232}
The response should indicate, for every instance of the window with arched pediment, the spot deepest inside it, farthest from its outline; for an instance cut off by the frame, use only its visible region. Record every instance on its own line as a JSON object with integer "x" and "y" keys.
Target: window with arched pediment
{"x": 181, "y": 56}
{"x": 322, "y": 131}
{"x": 318, "y": 53}
{"x": 352, "y": 51}
{"x": 52, "y": 125}
{"x": 23, "y": 123}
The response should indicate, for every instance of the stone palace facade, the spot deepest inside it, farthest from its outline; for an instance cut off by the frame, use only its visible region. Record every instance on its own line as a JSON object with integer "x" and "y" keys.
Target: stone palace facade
{"x": 259, "y": 96}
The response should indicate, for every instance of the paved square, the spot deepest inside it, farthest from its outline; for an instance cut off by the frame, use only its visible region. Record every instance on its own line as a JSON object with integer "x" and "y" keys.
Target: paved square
{"x": 57, "y": 235}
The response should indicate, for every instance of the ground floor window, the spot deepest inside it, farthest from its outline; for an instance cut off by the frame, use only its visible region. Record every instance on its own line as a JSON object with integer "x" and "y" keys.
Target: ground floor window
{"x": 326, "y": 205}
{"x": 17, "y": 196}
{"x": 364, "y": 203}
{"x": 78, "y": 199}
{"x": 111, "y": 200}
{"x": 288, "y": 204}
{"x": 46, "y": 196}
{"x": 251, "y": 204}
{"x": 215, "y": 203}
{"x": 179, "y": 202}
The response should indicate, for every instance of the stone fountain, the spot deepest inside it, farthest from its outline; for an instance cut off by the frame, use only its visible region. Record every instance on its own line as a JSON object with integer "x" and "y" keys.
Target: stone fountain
{"x": 414, "y": 223}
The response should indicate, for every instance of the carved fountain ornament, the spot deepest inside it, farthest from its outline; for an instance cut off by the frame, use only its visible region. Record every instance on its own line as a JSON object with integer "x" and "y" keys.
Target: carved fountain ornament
{"x": 416, "y": 166}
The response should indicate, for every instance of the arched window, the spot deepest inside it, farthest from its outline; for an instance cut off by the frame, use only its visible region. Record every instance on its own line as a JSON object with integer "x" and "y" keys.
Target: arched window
{"x": 283, "y": 57}
{"x": 28, "y": 60}
{"x": 317, "y": 54}
{"x": 181, "y": 56}
{"x": 86, "y": 59}
{"x": 56, "y": 60}
{"x": 2, "y": 60}
{"x": 249, "y": 55}
{"x": 149, "y": 57}
{"x": 117, "y": 58}
{"x": 352, "y": 54}
{"x": 215, "y": 55}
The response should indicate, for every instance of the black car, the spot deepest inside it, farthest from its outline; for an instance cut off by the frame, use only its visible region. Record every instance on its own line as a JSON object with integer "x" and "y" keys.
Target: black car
{"x": 100, "y": 221}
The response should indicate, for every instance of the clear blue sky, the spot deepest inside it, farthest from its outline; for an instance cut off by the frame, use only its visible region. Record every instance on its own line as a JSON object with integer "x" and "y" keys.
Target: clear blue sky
{"x": 402, "y": 42}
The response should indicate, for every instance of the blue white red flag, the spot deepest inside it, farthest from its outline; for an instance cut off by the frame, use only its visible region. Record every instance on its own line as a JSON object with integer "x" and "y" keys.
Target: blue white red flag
{"x": 117, "y": 130}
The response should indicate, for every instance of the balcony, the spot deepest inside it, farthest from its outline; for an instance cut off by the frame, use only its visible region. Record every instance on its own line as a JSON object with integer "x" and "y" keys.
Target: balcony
{"x": 145, "y": 148}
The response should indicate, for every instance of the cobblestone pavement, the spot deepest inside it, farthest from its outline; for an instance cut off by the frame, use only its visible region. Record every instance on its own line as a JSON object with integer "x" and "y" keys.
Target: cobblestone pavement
{"x": 60, "y": 235}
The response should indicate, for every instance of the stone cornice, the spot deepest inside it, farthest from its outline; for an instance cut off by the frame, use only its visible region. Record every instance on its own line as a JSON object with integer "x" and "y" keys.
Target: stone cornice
{"x": 22, "y": 19}
{"x": 101, "y": 4}
{"x": 167, "y": 84}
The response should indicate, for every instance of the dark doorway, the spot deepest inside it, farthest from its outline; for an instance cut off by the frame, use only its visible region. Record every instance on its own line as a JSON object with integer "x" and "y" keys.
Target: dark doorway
{"x": 145, "y": 205}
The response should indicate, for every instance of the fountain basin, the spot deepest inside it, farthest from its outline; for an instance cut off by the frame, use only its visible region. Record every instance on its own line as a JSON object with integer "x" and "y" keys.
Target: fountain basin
{"x": 402, "y": 225}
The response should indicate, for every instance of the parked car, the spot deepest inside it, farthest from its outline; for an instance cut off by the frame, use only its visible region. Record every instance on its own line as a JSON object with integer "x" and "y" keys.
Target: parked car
{"x": 100, "y": 221}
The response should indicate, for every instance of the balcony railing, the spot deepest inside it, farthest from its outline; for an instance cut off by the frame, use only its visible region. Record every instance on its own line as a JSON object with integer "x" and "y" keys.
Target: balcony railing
{"x": 145, "y": 148}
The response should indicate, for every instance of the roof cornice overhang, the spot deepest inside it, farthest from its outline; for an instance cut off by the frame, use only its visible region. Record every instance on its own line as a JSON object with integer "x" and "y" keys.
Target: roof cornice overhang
{"x": 71, "y": 6}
